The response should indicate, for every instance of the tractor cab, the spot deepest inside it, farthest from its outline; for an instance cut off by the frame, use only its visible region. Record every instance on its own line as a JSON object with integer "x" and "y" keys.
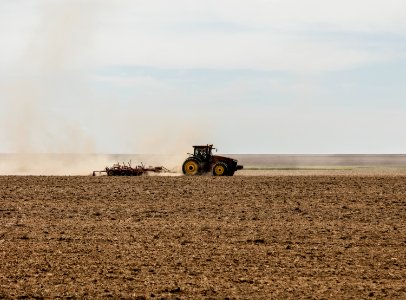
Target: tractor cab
{"x": 203, "y": 152}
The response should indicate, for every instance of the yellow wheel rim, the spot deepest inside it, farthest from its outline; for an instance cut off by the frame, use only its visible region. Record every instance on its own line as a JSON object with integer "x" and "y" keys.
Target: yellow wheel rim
{"x": 219, "y": 170}
{"x": 191, "y": 168}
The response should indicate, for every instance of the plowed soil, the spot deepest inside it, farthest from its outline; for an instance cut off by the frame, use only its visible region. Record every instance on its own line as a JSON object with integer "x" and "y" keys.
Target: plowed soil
{"x": 256, "y": 237}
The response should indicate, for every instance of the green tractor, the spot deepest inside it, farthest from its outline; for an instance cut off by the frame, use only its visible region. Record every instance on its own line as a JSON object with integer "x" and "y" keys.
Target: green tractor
{"x": 203, "y": 161}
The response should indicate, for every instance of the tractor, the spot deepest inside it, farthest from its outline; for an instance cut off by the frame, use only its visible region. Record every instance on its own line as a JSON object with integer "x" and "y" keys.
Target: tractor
{"x": 202, "y": 161}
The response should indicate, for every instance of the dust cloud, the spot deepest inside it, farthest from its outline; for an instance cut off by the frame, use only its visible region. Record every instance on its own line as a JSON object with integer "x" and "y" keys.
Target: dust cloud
{"x": 45, "y": 94}
{"x": 40, "y": 89}
{"x": 170, "y": 146}
{"x": 51, "y": 164}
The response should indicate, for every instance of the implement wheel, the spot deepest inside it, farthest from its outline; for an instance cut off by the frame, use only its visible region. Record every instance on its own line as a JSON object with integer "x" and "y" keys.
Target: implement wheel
{"x": 220, "y": 169}
{"x": 191, "y": 167}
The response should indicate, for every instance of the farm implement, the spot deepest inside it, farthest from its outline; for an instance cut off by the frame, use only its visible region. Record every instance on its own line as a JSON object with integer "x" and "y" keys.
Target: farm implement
{"x": 127, "y": 170}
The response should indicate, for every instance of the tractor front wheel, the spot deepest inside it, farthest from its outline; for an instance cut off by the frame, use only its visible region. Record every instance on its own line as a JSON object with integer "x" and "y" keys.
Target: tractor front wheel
{"x": 191, "y": 167}
{"x": 220, "y": 169}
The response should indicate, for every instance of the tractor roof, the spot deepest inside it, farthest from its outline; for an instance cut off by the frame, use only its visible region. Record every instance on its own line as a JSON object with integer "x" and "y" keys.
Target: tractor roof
{"x": 203, "y": 146}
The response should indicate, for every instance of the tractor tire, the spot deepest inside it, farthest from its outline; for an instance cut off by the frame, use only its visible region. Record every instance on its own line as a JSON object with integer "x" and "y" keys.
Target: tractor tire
{"x": 191, "y": 167}
{"x": 220, "y": 169}
{"x": 110, "y": 173}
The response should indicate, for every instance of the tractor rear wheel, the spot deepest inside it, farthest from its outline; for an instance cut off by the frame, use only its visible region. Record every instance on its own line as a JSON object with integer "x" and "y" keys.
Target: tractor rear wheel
{"x": 191, "y": 167}
{"x": 220, "y": 169}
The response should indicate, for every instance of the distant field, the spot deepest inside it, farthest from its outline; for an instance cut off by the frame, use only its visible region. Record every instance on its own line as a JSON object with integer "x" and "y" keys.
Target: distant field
{"x": 340, "y": 164}
{"x": 312, "y": 161}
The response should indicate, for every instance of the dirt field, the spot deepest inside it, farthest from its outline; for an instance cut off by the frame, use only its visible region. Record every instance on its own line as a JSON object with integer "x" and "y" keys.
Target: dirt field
{"x": 252, "y": 237}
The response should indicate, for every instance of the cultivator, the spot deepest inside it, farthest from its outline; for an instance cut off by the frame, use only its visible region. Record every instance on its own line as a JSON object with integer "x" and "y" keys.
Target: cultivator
{"x": 128, "y": 170}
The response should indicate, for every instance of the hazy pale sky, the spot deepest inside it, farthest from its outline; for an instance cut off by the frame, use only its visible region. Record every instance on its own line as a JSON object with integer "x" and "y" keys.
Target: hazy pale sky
{"x": 128, "y": 76}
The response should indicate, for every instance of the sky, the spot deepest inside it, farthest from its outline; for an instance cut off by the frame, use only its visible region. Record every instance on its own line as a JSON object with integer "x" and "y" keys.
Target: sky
{"x": 259, "y": 76}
